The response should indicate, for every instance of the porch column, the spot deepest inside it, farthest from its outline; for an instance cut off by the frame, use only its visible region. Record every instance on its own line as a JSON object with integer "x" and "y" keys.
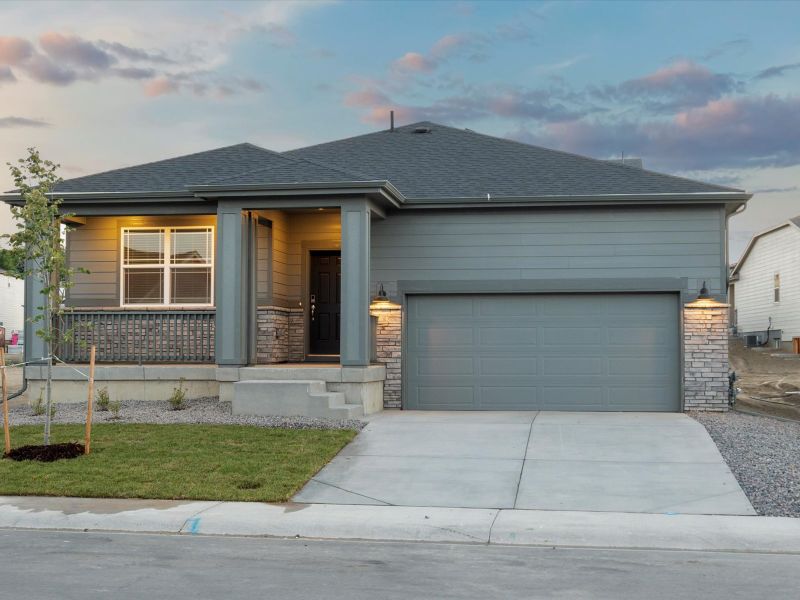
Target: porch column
{"x": 355, "y": 337}
{"x": 230, "y": 295}
{"x": 34, "y": 345}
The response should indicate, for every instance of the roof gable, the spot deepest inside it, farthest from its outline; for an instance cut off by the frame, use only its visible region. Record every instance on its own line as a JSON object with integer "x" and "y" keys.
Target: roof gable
{"x": 793, "y": 222}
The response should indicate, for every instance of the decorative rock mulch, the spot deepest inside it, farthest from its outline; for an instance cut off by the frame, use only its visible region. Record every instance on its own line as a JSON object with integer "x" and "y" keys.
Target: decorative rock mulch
{"x": 764, "y": 455}
{"x": 200, "y": 411}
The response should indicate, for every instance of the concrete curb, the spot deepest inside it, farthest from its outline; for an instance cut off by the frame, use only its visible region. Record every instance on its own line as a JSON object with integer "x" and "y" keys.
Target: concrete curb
{"x": 408, "y": 524}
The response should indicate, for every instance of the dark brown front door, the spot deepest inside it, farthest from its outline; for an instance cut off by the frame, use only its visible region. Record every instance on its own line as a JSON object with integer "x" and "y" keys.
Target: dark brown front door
{"x": 325, "y": 301}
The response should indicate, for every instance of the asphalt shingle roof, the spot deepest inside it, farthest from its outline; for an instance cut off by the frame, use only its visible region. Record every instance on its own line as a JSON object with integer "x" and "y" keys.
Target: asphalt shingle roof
{"x": 449, "y": 162}
{"x": 175, "y": 174}
{"x": 442, "y": 162}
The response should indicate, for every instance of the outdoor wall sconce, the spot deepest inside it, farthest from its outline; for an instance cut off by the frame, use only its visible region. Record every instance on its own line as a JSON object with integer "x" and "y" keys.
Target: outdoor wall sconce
{"x": 381, "y": 299}
{"x": 705, "y": 300}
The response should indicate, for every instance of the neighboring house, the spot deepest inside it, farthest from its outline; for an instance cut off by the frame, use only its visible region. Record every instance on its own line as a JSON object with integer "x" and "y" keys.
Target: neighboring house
{"x": 12, "y": 313}
{"x": 765, "y": 285}
{"x": 423, "y": 267}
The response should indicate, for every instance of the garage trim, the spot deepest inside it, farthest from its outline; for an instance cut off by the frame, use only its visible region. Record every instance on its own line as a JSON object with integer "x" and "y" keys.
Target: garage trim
{"x": 407, "y": 288}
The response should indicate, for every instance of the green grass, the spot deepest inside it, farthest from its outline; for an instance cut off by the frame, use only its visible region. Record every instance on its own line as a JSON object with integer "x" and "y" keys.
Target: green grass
{"x": 197, "y": 462}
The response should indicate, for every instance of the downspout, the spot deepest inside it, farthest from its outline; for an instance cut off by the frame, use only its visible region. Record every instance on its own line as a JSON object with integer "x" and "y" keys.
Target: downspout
{"x": 24, "y": 387}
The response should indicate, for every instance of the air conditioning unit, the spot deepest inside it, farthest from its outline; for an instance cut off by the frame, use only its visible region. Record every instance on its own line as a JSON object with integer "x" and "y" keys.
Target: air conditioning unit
{"x": 751, "y": 341}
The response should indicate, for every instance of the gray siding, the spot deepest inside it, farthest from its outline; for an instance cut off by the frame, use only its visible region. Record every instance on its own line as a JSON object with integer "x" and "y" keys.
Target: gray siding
{"x": 95, "y": 246}
{"x": 661, "y": 242}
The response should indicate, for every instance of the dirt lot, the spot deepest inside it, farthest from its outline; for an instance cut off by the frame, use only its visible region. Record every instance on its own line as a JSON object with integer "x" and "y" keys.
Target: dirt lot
{"x": 769, "y": 380}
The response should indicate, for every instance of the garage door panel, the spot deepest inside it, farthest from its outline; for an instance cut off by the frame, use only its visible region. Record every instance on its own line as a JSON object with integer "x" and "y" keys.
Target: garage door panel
{"x": 570, "y": 306}
{"x": 508, "y": 397}
{"x": 443, "y": 337}
{"x": 446, "y": 366}
{"x": 519, "y": 306}
{"x": 508, "y": 365}
{"x": 573, "y": 366}
{"x": 573, "y": 397}
{"x": 552, "y": 352}
{"x": 447, "y": 398}
{"x": 638, "y": 366}
{"x": 643, "y": 335}
{"x": 507, "y": 336}
{"x": 570, "y": 336}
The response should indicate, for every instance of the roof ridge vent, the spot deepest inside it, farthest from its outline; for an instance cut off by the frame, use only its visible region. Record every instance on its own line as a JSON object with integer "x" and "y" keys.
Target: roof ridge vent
{"x": 422, "y": 129}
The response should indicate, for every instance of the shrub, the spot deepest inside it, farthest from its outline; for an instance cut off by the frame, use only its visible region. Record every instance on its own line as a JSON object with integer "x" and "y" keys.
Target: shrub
{"x": 103, "y": 399}
{"x": 114, "y": 406}
{"x": 178, "y": 398}
{"x": 39, "y": 406}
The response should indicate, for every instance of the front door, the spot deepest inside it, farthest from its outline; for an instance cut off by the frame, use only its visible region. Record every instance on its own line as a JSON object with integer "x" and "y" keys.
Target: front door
{"x": 325, "y": 296}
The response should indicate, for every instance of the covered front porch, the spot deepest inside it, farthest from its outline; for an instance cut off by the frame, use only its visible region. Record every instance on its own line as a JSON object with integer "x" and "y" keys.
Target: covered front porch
{"x": 278, "y": 292}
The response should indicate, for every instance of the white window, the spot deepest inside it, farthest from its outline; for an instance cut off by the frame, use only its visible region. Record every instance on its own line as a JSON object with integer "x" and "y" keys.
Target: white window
{"x": 776, "y": 288}
{"x": 167, "y": 266}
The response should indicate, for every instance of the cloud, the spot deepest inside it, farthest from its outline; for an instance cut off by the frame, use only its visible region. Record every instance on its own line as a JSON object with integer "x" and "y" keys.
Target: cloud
{"x": 414, "y": 61}
{"x": 475, "y": 46}
{"x": 6, "y": 74}
{"x": 776, "y": 71}
{"x": 782, "y": 190}
{"x": 736, "y": 46}
{"x": 67, "y": 59}
{"x": 40, "y": 68}
{"x": 733, "y": 133}
{"x": 679, "y": 85}
{"x": 160, "y": 86}
{"x": 9, "y": 122}
{"x": 472, "y": 103}
{"x": 14, "y": 50}
{"x": 76, "y": 51}
{"x": 135, "y": 54}
{"x": 134, "y": 72}
{"x": 200, "y": 84}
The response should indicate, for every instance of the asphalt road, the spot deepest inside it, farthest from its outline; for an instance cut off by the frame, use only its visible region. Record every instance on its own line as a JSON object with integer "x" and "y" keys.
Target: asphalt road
{"x": 44, "y": 565}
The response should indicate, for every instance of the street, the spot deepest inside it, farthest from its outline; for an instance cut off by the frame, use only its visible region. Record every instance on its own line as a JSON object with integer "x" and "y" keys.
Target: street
{"x": 60, "y": 565}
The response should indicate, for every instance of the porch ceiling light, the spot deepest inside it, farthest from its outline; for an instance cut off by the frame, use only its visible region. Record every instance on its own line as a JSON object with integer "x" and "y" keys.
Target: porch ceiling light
{"x": 705, "y": 300}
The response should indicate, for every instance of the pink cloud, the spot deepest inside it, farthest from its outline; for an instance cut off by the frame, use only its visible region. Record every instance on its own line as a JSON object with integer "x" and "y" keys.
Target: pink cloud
{"x": 414, "y": 61}
{"x": 450, "y": 43}
{"x": 14, "y": 50}
{"x": 366, "y": 97}
{"x": 160, "y": 86}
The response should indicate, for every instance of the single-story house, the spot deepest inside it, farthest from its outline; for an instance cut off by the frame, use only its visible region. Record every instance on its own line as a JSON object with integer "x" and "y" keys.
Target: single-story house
{"x": 418, "y": 267}
{"x": 765, "y": 286}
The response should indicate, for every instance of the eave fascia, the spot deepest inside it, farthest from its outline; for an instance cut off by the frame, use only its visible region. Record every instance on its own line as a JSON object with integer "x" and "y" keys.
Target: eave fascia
{"x": 382, "y": 191}
{"x": 731, "y": 201}
{"x": 107, "y": 197}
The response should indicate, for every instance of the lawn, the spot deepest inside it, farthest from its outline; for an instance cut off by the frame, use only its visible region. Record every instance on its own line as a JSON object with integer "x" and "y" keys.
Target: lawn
{"x": 197, "y": 462}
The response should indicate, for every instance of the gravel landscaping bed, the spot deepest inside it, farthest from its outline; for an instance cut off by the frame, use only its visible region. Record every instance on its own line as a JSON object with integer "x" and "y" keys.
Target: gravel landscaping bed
{"x": 764, "y": 455}
{"x": 202, "y": 411}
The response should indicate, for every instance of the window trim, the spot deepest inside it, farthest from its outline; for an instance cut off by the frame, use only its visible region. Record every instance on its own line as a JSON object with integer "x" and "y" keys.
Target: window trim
{"x": 166, "y": 266}
{"x": 776, "y": 288}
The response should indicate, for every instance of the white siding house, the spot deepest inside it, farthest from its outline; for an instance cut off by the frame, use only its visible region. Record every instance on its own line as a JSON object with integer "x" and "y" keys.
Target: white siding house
{"x": 12, "y": 314}
{"x": 766, "y": 283}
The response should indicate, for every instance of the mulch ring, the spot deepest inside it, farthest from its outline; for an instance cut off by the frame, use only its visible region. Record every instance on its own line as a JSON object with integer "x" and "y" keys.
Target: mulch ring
{"x": 49, "y": 453}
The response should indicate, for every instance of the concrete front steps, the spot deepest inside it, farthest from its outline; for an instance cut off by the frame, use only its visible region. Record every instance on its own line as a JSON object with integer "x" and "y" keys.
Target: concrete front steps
{"x": 291, "y": 397}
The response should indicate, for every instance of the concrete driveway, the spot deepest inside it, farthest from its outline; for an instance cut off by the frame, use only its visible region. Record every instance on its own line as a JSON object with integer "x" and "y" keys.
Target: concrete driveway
{"x": 620, "y": 462}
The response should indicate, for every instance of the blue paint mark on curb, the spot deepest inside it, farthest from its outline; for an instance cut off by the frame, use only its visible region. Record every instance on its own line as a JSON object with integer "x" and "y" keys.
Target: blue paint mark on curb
{"x": 193, "y": 524}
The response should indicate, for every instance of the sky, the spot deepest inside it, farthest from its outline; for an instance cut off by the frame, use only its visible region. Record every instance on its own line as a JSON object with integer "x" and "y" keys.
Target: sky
{"x": 705, "y": 90}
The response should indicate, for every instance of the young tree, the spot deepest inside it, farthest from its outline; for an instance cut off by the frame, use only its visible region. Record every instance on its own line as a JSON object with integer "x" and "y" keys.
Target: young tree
{"x": 39, "y": 242}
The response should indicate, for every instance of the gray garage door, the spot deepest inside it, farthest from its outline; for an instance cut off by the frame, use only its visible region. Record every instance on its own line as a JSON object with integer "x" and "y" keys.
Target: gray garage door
{"x": 543, "y": 352}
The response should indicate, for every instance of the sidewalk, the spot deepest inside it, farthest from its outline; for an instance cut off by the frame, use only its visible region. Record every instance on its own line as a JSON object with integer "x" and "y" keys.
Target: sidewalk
{"x": 409, "y": 524}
